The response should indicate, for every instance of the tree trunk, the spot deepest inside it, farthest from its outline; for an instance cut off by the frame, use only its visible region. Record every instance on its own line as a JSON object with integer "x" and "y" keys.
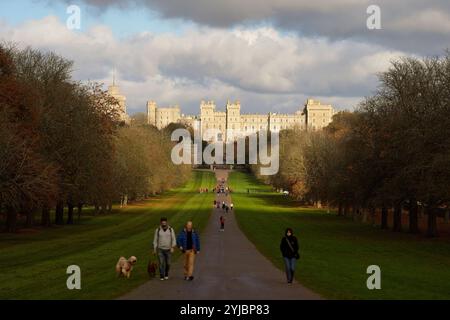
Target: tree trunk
{"x": 355, "y": 212}
{"x": 80, "y": 208}
{"x": 420, "y": 212}
{"x": 70, "y": 207}
{"x": 364, "y": 215}
{"x": 372, "y": 216}
{"x": 340, "y": 209}
{"x": 384, "y": 218}
{"x": 397, "y": 226}
{"x": 30, "y": 219}
{"x": 45, "y": 218}
{"x": 413, "y": 217}
{"x": 96, "y": 209}
{"x": 346, "y": 209}
{"x": 432, "y": 223}
{"x": 59, "y": 213}
{"x": 11, "y": 219}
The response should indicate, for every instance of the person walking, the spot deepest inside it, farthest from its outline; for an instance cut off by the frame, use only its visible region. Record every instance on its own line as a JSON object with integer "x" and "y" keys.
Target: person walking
{"x": 231, "y": 206}
{"x": 290, "y": 252}
{"x": 164, "y": 242}
{"x": 222, "y": 223}
{"x": 189, "y": 243}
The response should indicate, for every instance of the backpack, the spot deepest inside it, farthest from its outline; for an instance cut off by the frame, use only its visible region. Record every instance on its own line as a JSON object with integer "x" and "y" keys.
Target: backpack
{"x": 157, "y": 236}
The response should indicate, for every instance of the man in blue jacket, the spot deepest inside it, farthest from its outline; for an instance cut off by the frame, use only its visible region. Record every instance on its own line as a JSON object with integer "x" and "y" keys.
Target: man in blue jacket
{"x": 189, "y": 243}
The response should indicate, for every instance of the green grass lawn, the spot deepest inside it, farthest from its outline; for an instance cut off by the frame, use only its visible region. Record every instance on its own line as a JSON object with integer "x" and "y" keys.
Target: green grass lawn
{"x": 34, "y": 265}
{"x": 335, "y": 251}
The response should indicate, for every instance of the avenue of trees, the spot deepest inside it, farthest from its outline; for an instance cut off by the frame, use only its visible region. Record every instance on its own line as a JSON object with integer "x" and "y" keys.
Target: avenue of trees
{"x": 63, "y": 147}
{"x": 392, "y": 154}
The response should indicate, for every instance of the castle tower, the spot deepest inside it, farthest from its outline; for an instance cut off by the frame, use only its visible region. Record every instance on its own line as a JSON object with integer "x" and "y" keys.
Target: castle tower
{"x": 114, "y": 91}
{"x": 151, "y": 113}
{"x": 207, "y": 115}
{"x": 318, "y": 115}
{"x": 233, "y": 111}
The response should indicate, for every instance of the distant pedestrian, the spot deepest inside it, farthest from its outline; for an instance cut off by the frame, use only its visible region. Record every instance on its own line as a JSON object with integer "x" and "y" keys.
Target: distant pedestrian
{"x": 290, "y": 251}
{"x": 222, "y": 223}
{"x": 189, "y": 243}
{"x": 163, "y": 243}
{"x": 226, "y": 209}
{"x": 231, "y": 206}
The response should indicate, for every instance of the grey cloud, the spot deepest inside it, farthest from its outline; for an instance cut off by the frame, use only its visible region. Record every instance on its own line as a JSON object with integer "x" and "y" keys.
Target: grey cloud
{"x": 345, "y": 19}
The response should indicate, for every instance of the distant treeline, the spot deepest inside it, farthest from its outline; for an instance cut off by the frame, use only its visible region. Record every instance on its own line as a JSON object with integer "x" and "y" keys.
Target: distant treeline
{"x": 62, "y": 145}
{"x": 391, "y": 154}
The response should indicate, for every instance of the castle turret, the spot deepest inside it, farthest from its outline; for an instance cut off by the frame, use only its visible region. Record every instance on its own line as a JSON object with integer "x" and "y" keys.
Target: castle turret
{"x": 114, "y": 91}
{"x": 233, "y": 120}
{"x": 318, "y": 115}
{"x": 151, "y": 113}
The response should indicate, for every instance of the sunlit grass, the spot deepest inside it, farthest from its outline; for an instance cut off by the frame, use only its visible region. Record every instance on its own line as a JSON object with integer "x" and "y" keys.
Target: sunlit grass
{"x": 34, "y": 265}
{"x": 335, "y": 251}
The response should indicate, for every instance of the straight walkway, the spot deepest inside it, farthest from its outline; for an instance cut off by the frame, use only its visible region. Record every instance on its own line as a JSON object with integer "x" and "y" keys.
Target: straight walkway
{"x": 228, "y": 267}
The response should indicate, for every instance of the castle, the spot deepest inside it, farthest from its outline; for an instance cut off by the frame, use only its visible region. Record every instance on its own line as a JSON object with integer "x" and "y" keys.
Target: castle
{"x": 231, "y": 123}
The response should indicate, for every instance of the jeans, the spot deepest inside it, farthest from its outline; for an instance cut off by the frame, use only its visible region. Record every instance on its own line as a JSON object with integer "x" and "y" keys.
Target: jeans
{"x": 164, "y": 262}
{"x": 289, "y": 264}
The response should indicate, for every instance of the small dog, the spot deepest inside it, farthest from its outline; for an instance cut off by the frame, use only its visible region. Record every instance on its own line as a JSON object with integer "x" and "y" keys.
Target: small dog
{"x": 151, "y": 269}
{"x": 124, "y": 266}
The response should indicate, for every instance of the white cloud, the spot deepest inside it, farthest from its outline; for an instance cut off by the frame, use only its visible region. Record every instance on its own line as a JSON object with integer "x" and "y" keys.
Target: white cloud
{"x": 265, "y": 69}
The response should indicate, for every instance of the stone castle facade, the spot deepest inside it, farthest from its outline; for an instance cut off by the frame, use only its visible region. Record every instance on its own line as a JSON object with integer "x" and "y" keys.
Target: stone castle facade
{"x": 231, "y": 123}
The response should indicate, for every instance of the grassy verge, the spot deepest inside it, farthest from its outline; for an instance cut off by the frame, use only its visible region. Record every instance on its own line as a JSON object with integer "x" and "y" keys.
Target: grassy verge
{"x": 34, "y": 265}
{"x": 336, "y": 252}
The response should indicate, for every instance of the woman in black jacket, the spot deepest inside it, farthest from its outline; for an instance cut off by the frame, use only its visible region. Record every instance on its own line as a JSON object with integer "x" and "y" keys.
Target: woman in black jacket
{"x": 289, "y": 249}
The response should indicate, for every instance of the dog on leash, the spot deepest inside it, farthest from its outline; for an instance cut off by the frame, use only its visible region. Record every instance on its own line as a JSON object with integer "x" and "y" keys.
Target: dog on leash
{"x": 151, "y": 269}
{"x": 124, "y": 266}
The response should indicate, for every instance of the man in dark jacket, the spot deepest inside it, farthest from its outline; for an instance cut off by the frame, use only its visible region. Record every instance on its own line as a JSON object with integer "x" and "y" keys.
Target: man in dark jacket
{"x": 289, "y": 249}
{"x": 189, "y": 243}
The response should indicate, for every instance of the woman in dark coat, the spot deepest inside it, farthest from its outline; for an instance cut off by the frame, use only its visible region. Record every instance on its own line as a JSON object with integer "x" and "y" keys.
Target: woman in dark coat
{"x": 289, "y": 249}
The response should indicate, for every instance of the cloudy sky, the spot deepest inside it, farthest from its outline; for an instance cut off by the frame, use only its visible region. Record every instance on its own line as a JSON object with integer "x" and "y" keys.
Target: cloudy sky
{"x": 271, "y": 55}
